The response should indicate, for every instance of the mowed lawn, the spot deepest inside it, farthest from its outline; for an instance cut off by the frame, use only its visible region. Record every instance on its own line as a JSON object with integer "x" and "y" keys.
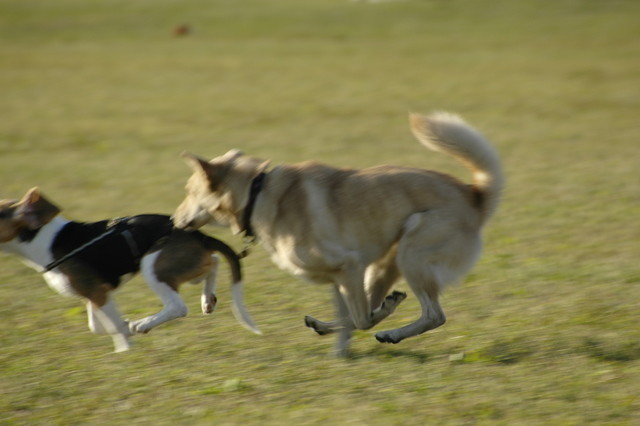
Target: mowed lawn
{"x": 99, "y": 98}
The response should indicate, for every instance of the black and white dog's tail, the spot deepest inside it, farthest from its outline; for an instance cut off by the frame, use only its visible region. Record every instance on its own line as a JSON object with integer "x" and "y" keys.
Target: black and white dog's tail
{"x": 239, "y": 309}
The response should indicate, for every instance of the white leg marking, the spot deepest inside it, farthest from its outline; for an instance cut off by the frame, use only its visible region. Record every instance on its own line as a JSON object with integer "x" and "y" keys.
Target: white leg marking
{"x": 95, "y": 325}
{"x": 111, "y": 322}
{"x": 174, "y": 307}
{"x": 240, "y": 311}
{"x": 208, "y": 299}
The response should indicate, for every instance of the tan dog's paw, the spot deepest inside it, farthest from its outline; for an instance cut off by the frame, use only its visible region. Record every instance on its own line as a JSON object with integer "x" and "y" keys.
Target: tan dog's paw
{"x": 141, "y": 326}
{"x": 397, "y": 296}
{"x": 387, "y": 337}
{"x": 392, "y": 301}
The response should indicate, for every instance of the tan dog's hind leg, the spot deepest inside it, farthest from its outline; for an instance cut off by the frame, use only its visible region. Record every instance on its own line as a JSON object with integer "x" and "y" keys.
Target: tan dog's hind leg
{"x": 378, "y": 280}
{"x": 432, "y": 313}
{"x": 431, "y": 253}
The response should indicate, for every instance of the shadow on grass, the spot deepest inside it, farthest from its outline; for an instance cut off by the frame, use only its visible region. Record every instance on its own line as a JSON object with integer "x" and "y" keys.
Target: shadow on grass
{"x": 617, "y": 350}
{"x": 385, "y": 352}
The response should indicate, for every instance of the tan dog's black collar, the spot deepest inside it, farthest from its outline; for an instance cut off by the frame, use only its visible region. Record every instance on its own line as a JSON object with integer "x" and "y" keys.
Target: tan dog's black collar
{"x": 256, "y": 187}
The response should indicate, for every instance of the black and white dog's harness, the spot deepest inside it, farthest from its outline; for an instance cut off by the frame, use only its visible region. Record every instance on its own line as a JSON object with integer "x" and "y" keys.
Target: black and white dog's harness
{"x": 110, "y": 248}
{"x": 113, "y": 228}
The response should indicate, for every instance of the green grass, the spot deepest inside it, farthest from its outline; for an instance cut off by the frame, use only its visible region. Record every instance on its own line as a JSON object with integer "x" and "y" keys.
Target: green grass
{"x": 98, "y": 99}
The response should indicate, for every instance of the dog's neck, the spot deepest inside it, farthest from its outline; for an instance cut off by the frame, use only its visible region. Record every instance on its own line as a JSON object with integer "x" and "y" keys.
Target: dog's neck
{"x": 256, "y": 187}
{"x": 35, "y": 246}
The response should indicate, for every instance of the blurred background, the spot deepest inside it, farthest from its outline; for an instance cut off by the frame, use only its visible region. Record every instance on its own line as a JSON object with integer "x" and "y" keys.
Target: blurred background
{"x": 98, "y": 100}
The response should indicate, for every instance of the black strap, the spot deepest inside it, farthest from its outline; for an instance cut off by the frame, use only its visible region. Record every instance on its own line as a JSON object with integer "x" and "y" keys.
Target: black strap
{"x": 131, "y": 242}
{"x": 72, "y": 253}
{"x": 112, "y": 228}
{"x": 256, "y": 187}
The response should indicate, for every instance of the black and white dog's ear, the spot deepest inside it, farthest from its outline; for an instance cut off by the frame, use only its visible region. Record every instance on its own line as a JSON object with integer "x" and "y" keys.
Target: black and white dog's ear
{"x": 34, "y": 210}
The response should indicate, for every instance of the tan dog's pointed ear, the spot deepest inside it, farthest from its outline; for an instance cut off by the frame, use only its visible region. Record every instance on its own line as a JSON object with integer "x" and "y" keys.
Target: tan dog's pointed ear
{"x": 196, "y": 163}
{"x": 233, "y": 154}
{"x": 34, "y": 210}
{"x": 214, "y": 172}
{"x": 264, "y": 166}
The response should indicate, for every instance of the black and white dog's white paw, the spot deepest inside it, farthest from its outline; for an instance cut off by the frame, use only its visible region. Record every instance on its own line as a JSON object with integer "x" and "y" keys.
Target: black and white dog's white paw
{"x": 209, "y": 303}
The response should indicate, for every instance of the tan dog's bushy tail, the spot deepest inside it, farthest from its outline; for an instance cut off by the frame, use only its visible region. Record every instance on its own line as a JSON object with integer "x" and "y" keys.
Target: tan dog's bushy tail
{"x": 450, "y": 134}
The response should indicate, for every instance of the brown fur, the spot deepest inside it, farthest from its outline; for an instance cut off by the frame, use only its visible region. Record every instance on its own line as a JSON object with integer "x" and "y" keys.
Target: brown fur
{"x": 182, "y": 260}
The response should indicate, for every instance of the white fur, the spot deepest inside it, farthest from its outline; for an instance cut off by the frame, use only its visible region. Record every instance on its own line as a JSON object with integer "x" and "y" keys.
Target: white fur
{"x": 111, "y": 322}
{"x": 239, "y": 311}
{"x": 174, "y": 306}
{"x": 37, "y": 252}
{"x": 59, "y": 283}
{"x": 37, "y": 255}
{"x": 208, "y": 297}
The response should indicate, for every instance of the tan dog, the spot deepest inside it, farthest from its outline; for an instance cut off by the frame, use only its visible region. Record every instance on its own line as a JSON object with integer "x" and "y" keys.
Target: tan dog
{"x": 359, "y": 229}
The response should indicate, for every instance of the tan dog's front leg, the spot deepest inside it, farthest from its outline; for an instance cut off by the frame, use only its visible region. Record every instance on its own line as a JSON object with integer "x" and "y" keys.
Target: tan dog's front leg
{"x": 321, "y": 327}
{"x": 353, "y": 308}
{"x": 346, "y": 303}
{"x": 342, "y": 325}
{"x": 345, "y": 327}
{"x": 342, "y": 314}
{"x": 389, "y": 304}
{"x": 351, "y": 287}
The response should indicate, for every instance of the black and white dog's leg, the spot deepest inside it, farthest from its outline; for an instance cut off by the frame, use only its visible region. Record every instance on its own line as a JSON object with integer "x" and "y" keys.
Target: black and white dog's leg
{"x": 106, "y": 319}
{"x": 208, "y": 298}
{"x": 95, "y": 325}
{"x": 174, "y": 306}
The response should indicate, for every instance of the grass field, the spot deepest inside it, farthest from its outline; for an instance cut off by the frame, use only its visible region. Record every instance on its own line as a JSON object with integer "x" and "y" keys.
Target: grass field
{"x": 99, "y": 98}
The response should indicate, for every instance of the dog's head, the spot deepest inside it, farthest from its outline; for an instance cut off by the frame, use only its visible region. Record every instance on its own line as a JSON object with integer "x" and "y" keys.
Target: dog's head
{"x": 31, "y": 213}
{"x": 218, "y": 190}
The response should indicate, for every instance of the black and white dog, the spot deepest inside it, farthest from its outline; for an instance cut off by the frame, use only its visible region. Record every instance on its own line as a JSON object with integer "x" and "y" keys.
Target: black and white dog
{"x": 90, "y": 260}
